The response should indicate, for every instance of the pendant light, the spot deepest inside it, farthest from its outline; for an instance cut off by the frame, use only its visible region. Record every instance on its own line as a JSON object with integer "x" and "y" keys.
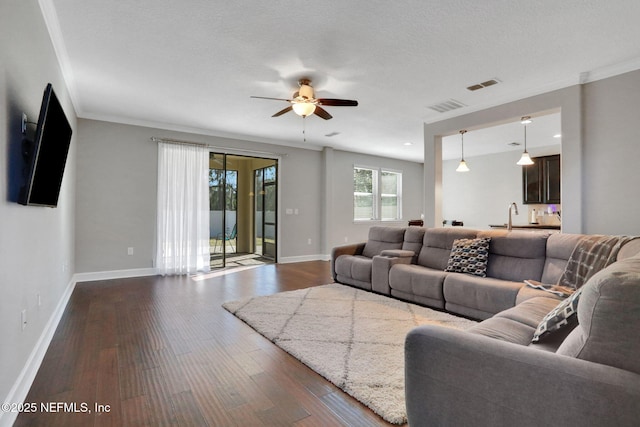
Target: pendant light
{"x": 462, "y": 167}
{"x": 525, "y": 159}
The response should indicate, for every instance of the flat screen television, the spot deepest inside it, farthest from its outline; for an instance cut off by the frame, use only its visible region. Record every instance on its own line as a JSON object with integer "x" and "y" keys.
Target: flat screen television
{"x": 46, "y": 155}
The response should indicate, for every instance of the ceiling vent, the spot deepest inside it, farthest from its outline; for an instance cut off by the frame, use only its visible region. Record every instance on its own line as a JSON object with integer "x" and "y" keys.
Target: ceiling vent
{"x": 483, "y": 84}
{"x": 445, "y": 106}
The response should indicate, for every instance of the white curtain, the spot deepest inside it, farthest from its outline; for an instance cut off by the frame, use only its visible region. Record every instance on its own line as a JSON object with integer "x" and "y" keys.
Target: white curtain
{"x": 183, "y": 209}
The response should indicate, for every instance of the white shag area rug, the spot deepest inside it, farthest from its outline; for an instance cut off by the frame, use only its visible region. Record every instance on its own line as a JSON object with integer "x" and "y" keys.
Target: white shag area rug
{"x": 353, "y": 338}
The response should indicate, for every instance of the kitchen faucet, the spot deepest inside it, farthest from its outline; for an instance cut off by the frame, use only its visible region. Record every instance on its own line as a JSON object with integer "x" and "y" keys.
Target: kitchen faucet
{"x": 512, "y": 205}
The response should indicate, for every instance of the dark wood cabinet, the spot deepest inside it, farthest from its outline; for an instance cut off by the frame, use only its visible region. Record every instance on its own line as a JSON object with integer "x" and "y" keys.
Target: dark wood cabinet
{"x": 532, "y": 183}
{"x": 541, "y": 181}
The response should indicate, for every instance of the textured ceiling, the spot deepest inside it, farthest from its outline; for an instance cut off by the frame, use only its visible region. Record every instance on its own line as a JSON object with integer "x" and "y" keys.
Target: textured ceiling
{"x": 193, "y": 64}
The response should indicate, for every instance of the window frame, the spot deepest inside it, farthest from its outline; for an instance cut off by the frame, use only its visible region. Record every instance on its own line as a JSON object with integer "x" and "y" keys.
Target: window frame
{"x": 377, "y": 196}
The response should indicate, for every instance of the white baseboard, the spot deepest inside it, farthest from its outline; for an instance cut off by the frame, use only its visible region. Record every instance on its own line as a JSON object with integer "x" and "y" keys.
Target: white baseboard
{"x": 303, "y": 258}
{"x": 20, "y": 389}
{"x": 114, "y": 274}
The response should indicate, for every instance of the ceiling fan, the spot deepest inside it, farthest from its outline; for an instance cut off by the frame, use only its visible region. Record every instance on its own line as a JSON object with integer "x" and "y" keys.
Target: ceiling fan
{"x": 304, "y": 102}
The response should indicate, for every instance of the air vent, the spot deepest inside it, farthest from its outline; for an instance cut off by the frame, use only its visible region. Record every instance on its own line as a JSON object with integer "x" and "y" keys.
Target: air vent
{"x": 445, "y": 106}
{"x": 483, "y": 84}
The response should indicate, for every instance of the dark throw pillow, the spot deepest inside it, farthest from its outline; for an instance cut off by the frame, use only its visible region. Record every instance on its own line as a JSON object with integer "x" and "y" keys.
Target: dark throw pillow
{"x": 564, "y": 314}
{"x": 469, "y": 256}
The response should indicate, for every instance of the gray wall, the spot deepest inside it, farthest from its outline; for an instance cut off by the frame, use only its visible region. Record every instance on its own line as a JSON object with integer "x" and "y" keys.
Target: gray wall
{"x": 116, "y": 195}
{"x": 342, "y": 229}
{"x": 599, "y": 152}
{"x": 36, "y": 243}
{"x": 612, "y": 155}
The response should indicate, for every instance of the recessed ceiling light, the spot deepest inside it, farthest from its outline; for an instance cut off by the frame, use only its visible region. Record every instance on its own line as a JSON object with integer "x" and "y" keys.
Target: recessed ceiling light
{"x": 408, "y": 143}
{"x": 557, "y": 135}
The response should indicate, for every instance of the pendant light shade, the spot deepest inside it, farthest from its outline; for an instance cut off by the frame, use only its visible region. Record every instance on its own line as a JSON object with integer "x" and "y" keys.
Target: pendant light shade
{"x": 525, "y": 159}
{"x": 462, "y": 167}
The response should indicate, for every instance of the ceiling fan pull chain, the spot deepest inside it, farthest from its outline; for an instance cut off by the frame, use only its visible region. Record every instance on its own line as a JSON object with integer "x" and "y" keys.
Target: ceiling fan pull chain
{"x": 304, "y": 130}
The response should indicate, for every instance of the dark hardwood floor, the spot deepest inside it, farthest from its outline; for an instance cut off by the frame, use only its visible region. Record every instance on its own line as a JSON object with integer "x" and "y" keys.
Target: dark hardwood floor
{"x": 161, "y": 351}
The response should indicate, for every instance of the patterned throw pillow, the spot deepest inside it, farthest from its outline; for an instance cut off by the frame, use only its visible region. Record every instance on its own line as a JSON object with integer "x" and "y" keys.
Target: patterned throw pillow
{"x": 469, "y": 256}
{"x": 561, "y": 316}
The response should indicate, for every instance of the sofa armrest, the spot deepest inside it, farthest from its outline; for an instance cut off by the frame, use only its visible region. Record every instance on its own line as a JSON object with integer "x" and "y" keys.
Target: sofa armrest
{"x": 397, "y": 253}
{"x": 382, "y": 265}
{"x": 352, "y": 249}
{"x": 458, "y": 378}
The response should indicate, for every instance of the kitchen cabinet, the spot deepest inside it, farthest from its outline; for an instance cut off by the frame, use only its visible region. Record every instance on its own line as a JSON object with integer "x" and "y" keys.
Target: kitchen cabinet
{"x": 541, "y": 181}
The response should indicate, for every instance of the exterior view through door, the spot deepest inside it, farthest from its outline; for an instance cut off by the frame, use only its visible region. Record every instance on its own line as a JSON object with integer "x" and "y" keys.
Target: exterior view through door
{"x": 242, "y": 210}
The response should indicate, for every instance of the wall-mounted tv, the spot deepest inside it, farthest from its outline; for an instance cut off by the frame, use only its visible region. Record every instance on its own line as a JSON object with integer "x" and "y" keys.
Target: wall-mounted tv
{"x": 46, "y": 155}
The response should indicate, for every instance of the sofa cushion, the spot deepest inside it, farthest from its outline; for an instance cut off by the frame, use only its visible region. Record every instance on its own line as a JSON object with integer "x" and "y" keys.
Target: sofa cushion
{"x": 417, "y": 280}
{"x": 355, "y": 267}
{"x": 413, "y": 237}
{"x": 516, "y": 255}
{"x": 559, "y": 249}
{"x": 609, "y": 318}
{"x": 563, "y": 315}
{"x": 531, "y": 311}
{"x": 469, "y": 256}
{"x": 437, "y": 244}
{"x": 484, "y": 294}
{"x": 381, "y": 238}
{"x": 504, "y": 329}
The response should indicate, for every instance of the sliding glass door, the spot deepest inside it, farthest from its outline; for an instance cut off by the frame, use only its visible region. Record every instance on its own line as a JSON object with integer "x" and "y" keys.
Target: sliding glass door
{"x": 266, "y": 211}
{"x": 223, "y": 209}
{"x": 243, "y": 210}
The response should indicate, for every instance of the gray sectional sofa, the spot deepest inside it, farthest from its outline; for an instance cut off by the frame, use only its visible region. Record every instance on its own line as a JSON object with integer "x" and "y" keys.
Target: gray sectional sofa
{"x": 409, "y": 263}
{"x": 492, "y": 374}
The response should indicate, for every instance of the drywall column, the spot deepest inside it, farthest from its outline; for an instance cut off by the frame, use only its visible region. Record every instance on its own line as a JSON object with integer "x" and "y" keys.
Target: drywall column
{"x": 432, "y": 178}
{"x": 572, "y": 158}
{"x": 326, "y": 227}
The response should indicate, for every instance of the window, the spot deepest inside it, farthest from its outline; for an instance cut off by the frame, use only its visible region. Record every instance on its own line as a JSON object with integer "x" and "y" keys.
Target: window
{"x": 391, "y": 183}
{"x": 376, "y": 194}
{"x": 217, "y": 181}
{"x": 365, "y": 188}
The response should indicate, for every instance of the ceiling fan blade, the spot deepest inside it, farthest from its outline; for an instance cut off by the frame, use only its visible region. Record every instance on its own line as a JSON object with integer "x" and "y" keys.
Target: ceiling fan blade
{"x": 275, "y": 99}
{"x": 284, "y": 110}
{"x": 321, "y": 112}
{"x": 338, "y": 102}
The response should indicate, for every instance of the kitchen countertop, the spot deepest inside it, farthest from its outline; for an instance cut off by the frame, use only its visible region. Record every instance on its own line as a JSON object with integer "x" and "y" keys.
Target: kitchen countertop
{"x": 527, "y": 226}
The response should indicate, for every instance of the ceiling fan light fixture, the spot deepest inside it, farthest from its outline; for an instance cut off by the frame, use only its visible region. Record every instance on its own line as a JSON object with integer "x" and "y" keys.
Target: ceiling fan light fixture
{"x": 303, "y": 109}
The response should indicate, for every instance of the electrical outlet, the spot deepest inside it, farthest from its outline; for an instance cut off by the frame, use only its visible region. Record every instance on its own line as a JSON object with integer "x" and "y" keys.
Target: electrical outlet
{"x": 39, "y": 299}
{"x": 308, "y": 241}
{"x": 23, "y": 318}
{"x": 129, "y": 251}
